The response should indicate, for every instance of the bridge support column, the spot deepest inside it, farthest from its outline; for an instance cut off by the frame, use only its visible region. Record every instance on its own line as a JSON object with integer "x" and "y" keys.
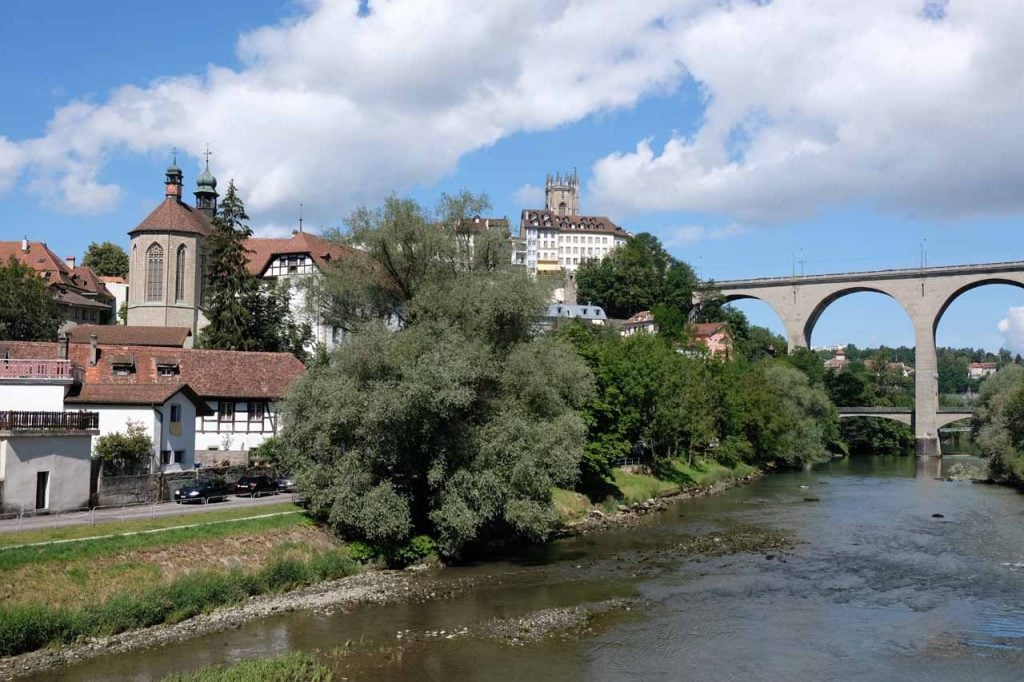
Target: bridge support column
{"x": 796, "y": 329}
{"x": 926, "y": 388}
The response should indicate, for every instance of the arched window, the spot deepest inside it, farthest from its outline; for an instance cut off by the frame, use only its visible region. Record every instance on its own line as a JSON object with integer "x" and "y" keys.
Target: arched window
{"x": 155, "y": 273}
{"x": 179, "y": 274}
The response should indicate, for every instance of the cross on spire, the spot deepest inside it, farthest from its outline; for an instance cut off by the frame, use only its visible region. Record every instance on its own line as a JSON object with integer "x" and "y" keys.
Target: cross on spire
{"x": 207, "y": 155}
{"x": 174, "y": 156}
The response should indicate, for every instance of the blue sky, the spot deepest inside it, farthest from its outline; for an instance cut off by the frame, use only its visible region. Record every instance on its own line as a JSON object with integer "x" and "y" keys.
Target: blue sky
{"x": 698, "y": 124}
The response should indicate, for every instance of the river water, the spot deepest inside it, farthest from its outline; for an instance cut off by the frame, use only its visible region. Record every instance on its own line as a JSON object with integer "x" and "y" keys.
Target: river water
{"x": 875, "y": 588}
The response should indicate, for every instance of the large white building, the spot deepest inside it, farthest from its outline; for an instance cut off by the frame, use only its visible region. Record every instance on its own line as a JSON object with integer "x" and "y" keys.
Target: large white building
{"x": 557, "y": 238}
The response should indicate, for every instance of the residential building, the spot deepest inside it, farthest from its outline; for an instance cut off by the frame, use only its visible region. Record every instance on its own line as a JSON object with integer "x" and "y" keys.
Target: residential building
{"x": 184, "y": 398}
{"x": 839, "y": 362}
{"x": 641, "y": 323}
{"x": 714, "y": 336}
{"x": 558, "y": 312}
{"x": 118, "y": 288}
{"x": 80, "y": 294}
{"x": 980, "y": 370}
{"x": 45, "y": 452}
{"x": 557, "y": 238}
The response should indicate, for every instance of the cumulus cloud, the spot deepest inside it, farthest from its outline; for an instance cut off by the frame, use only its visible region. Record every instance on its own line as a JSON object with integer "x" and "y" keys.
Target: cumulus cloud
{"x": 916, "y": 106}
{"x": 683, "y": 236}
{"x": 338, "y": 106}
{"x": 1012, "y": 329}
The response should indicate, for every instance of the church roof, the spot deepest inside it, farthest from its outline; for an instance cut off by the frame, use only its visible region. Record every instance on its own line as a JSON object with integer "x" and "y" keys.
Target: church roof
{"x": 119, "y": 334}
{"x": 263, "y": 251}
{"x": 174, "y": 216}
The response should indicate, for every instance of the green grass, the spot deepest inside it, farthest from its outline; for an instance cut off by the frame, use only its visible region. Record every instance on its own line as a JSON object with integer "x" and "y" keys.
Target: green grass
{"x": 675, "y": 478}
{"x": 29, "y": 627}
{"x": 115, "y": 527}
{"x": 111, "y": 544}
{"x": 569, "y": 504}
{"x": 290, "y": 667}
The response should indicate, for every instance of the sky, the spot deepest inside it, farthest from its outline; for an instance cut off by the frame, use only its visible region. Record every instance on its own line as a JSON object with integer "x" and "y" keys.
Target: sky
{"x": 754, "y": 138}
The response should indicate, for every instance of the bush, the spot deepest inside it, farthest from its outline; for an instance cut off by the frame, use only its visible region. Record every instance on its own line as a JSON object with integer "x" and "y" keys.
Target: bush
{"x": 122, "y": 453}
{"x": 24, "y": 628}
{"x": 291, "y": 667}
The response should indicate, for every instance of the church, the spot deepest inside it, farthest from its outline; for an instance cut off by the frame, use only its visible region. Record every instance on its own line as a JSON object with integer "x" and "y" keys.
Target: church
{"x": 166, "y": 283}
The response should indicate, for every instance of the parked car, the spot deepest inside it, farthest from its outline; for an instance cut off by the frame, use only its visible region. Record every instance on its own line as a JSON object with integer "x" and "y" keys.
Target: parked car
{"x": 203, "y": 490}
{"x": 285, "y": 484}
{"x": 255, "y": 485}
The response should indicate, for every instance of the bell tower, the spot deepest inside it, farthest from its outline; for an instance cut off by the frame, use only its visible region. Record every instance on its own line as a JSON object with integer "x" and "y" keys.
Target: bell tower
{"x": 562, "y": 194}
{"x": 206, "y": 190}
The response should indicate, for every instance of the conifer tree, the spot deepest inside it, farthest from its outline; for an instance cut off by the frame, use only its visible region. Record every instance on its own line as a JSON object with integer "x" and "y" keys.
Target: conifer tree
{"x": 229, "y": 283}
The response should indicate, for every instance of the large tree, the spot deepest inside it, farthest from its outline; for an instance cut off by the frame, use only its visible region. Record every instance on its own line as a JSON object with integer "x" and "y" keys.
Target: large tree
{"x": 106, "y": 259}
{"x": 28, "y": 311}
{"x": 636, "y": 276}
{"x": 456, "y": 422}
{"x": 243, "y": 311}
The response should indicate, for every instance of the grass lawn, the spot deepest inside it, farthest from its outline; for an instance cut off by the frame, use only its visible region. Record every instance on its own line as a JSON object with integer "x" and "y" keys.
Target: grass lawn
{"x": 674, "y": 478}
{"x": 26, "y": 537}
{"x": 570, "y": 504}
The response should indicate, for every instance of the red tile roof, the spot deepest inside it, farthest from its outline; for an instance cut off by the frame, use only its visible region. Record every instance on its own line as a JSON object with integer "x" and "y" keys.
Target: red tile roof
{"x": 983, "y": 365}
{"x": 706, "y": 329}
{"x": 642, "y": 317}
{"x": 174, "y": 216}
{"x": 55, "y": 272}
{"x": 112, "y": 394}
{"x": 263, "y": 251}
{"x": 211, "y": 373}
{"x": 110, "y": 334}
{"x": 550, "y": 220}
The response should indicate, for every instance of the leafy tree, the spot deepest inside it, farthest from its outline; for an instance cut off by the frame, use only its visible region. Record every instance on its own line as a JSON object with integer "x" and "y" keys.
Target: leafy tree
{"x": 636, "y": 276}
{"x": 457, "y": 424}
{"x": 28, "y": 311}
{"x": 874, "y": 436}
{"x": 124, "y": 453}
{"x": 999, "y": 423}
{"x": 106, "y": 259}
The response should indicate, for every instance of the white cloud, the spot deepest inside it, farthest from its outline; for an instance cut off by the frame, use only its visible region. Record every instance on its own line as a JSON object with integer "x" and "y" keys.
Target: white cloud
{"x": 331, "y": 108}
{"x": 727, "y": 231}
{"x": 1012, "y": 329}
{"x": 916, "y": 106}
{"x": 530, "y": 196}
{"x": 272, "y": 231}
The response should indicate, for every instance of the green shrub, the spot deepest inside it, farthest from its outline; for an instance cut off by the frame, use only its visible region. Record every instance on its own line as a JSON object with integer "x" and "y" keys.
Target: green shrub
{"x": 420, "y": 547}
{"x": 291, "y": 667}
{"x": 24, "y": 628}
{"x": 363, "y": 552}
{"x": 285, "y": 574}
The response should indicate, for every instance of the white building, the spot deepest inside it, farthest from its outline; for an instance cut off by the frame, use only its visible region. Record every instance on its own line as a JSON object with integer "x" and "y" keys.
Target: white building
{"x": 980, "y": 370}
{"x": 557, "y": 238}
{"x": 642, "y": 322}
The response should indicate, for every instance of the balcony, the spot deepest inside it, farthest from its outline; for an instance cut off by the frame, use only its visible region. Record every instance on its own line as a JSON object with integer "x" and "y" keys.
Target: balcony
{"x": 15, "y": 422}
{"x": 39, "y": 371}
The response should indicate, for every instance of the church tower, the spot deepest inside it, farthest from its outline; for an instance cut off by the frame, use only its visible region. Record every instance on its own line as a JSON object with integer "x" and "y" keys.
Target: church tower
{"x": 562, "y": 194}
{"x": 166, "y": 285}
{"x": 206, "y": 190}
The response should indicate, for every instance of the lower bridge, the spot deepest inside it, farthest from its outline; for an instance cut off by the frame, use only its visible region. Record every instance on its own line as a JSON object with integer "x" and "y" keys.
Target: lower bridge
{"x": 904, "y": 415}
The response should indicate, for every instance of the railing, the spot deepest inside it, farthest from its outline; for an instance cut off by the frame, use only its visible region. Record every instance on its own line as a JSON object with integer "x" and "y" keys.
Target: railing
{"x": 49, "y": 421}
{"x": 40, "y": 370}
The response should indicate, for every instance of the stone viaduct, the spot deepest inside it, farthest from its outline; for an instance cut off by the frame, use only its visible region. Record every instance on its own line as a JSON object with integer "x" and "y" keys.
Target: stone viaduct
{"x": 924, "y": 293}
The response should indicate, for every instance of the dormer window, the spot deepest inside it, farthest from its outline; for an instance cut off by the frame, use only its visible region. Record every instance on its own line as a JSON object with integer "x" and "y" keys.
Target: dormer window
{"x": 167, "y": 367}
{"x": 122, "y": 365}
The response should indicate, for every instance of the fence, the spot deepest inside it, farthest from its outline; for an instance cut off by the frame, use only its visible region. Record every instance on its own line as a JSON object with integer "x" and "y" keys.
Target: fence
{"x": 39, "y": 369}
{"x": 49, "y": 421}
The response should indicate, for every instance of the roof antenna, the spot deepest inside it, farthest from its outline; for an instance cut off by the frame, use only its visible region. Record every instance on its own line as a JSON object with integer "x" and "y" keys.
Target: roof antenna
{"x": 300, "y": 217}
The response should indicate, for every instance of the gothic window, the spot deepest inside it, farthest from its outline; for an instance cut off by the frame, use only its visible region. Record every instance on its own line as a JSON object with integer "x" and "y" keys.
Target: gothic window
{"x": 179, "y": 274}
{"x": 154, "y": 273}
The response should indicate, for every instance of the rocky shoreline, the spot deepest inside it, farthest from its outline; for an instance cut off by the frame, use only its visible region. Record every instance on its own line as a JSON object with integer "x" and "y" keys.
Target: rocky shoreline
{"x": 371, "y": 587}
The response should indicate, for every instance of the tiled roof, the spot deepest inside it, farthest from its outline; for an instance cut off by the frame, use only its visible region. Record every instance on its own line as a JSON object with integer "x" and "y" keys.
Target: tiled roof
{"x": 117, "y": 334}
{"x": 55, "y": 272}
{"x": 481, "y": 223}
{"x": 69, "y": 296}
{"x": 983, "y": 365}
{"x": 174, "y": 216}
{"x": 111, "y": 394}
{"x": 550, "y": 220}
{"x": 642, "y": 317}
{"x": 705, "y": 329}
{"x": 211, "y": 373}
{"x": 263, "y": 251}
{"x": 87, "y": 280}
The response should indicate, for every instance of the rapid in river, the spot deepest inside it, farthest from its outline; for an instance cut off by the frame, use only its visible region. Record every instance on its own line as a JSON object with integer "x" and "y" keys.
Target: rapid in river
{"x": 888, "y": 574}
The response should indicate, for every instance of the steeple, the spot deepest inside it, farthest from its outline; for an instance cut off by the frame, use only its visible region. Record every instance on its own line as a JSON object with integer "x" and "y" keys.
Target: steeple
{"x": 562, "y": 193}
{"x": 172, "y": 183}
{"x": 206, "y": 189}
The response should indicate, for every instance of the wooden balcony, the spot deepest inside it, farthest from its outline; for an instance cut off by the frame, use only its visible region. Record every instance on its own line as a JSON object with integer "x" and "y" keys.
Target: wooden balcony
{"x": 14, "y": 421}
{"x": 41, "y": 371}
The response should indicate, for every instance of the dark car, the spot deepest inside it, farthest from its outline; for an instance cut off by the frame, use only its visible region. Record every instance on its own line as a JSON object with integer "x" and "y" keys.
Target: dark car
{"x": 203, "y": 490}
{"x": 285, "y": 484}
{"x": 255, "y": 485}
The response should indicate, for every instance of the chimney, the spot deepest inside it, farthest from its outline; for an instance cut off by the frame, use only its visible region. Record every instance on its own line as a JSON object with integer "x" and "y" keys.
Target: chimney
{"x": 93, "y": 350}
{"x": 62, "y": 346}
{"x": 24, "y": 244}
{"x": 70, "y": 260}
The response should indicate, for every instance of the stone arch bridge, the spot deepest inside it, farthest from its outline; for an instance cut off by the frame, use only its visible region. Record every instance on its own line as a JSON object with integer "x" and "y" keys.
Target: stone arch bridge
{"x": 924, "y": 293}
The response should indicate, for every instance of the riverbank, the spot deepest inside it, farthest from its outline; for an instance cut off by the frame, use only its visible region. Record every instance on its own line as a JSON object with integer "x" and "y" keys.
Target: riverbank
{"x": 371, "y": 587}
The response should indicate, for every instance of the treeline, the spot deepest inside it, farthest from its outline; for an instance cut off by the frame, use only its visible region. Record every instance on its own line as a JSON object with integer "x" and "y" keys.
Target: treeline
{"x": 999, "y": 425}
{"x": 450, "y": 414}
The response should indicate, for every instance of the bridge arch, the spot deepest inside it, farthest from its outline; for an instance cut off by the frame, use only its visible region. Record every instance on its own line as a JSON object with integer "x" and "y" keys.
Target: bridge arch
{"x": 1017, "y": 282}
{"x": 822, "y": 305}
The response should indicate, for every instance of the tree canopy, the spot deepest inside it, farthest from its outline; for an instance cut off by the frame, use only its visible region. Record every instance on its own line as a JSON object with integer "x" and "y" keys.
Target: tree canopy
{"x": 106, "y": 259}
{"x": 458, "y": 422}
{"x": 28, "y": 311}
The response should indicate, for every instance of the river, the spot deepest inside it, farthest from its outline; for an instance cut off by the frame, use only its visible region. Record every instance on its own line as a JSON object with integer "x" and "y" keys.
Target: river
{"x": 876, "y": 587}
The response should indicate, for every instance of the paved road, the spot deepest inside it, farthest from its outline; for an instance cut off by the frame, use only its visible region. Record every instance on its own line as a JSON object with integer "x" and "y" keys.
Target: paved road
{"x": 107, "y": 514}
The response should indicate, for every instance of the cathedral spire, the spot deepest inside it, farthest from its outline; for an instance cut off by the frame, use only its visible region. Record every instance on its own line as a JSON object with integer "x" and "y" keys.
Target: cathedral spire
{"x": 206, "y": 189}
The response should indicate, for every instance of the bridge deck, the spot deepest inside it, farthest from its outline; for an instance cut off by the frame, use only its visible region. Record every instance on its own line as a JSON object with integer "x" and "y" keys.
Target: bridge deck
{"x": 873, "y": 275}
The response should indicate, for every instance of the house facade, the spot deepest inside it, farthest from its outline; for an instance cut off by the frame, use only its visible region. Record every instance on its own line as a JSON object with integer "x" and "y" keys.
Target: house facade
{"x": 980, "y": 370}
{"x": 714, "y": 337}
{"x": 641, "y": 323}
